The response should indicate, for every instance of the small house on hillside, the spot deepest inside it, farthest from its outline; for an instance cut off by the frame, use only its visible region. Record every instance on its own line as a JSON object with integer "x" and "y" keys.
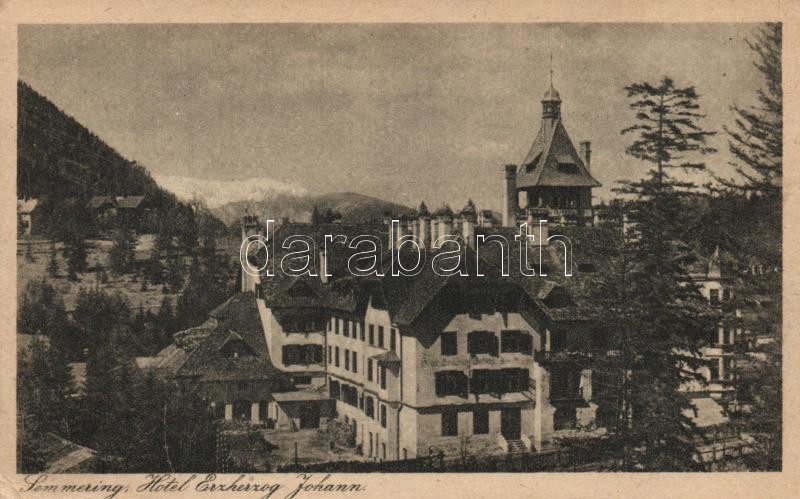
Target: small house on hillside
{"x": 112, "y": 210}
{"x": 26, "y": 213}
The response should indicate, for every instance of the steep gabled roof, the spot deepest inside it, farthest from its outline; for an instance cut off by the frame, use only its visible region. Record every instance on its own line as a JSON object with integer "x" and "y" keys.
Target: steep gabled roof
{"x": 99, "y": 201}
{"x": 131, "y": 202}
{"x": 552, "y": 147}
{"x": 239, "y": 320}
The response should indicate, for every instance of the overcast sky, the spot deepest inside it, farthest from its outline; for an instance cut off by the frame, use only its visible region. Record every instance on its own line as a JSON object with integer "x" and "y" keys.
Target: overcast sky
{"x": 402, "y": 112}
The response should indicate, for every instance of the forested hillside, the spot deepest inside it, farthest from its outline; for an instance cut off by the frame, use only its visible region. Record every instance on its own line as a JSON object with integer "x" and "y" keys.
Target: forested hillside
{"x": 60, "y": 160}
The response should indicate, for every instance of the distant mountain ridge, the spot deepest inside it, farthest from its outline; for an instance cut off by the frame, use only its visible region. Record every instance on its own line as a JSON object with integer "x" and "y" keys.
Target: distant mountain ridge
{"x": 217, "y": 193}
{"x": 354, "y": 208}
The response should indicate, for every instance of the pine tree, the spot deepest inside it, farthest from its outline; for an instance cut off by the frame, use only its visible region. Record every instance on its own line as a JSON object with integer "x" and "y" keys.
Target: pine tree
{"x": 43, "y": 388}
{"x": 74, "y": 230}
{"x": 165, "y": 323}
{"x": 29, "y": 252}
{"x": 154, "y": 267}
{"x": 96, "y": 313}
{"x": 315, "y": 216}
{"x": 121, "y": 256}
{"x": 756, "y": 139}
{"x": 655, "y": 316}
{"x": 52, "y": 266}
{"x": 759, "y": 366}
{"x": 75, "y": 253}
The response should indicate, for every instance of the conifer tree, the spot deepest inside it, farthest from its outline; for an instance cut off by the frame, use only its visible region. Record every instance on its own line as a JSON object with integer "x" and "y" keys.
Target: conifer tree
{"x": 52, "y": 265}
{"x": 315, "y": 216}
{"x": 75, "y": 253}
{"x": 655, "y": 316}
{"x": 122, "y": 254}
{"x": 756, "y": 139}
{"x": 29, "y": 252}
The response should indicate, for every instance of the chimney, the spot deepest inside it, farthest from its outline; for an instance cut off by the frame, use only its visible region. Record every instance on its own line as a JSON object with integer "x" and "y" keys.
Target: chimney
{"x": 396, "y": 232}
{"x": 425, "y": 230}
{"x": 323, "y": 267}
{"x": 534, "y": 216}
{"x": 445, "y": 226}
{"x": 468, "y": 229}
{"x": 586, "y": 154}
{"x": 511, "y": 197}
{"x": 250, "y": 226}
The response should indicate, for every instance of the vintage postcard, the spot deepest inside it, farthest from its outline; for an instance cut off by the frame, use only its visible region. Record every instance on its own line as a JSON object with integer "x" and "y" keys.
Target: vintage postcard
{"x": 306, "y": 253}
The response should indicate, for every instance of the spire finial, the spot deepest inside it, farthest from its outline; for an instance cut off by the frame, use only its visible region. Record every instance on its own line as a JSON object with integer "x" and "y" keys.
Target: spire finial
{"x": 551, "y": 69}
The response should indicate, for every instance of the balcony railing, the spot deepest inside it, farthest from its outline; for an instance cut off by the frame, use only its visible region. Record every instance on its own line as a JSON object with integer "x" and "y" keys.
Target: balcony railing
{"x": 543, "y": 357}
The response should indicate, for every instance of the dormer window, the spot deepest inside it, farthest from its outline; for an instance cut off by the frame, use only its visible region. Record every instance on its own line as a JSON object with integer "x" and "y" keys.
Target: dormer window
{"x": 235, "y": 347}
{"x": 568, "y": 168}
{"x": 532, "y": 165}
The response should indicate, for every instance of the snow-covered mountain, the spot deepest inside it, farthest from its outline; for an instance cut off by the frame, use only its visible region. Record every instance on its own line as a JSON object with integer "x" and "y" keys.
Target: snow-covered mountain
{"x": 217, "y": 193}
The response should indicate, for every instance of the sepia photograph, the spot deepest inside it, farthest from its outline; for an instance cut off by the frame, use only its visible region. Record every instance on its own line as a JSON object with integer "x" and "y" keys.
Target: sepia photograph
{"x": 302, "y": 248}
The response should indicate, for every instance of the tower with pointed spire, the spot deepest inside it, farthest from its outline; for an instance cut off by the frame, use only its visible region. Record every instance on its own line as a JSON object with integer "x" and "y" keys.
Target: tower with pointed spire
{"x": 554, "y": 179}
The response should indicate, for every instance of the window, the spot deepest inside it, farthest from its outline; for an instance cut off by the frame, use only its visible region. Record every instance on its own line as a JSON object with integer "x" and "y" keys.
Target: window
{"x": 355, "y": 362}
{"x": 499, "y": 381}
{"x": 380, "y": 336}
{"x": 330, "y": 354}
{"x": 383, "y": 415}
{"x": 729, "y": 365}
{"x": 334, "y": 389}
{"x": 713, "y": 367}
{"x": 369, "y": 406}
{"x": 480, "y": 422}
{"x": 449, "y": 343}
{"x": 451, "y": 383}
{"x": 347, "y": 359}
{"x": 346, "y": 328}
{"x": 726, "y": 294}
{"x": 336, "y": 358}
{"x": 350, "y": 395}
{"x": 234, "y": 349}
{"x": 371, "y": 334}
{"x": 449, "y": 423}
{"x": 482, "y": 342}
{"x": 383, "y": 377}
{"x": 383, "y": 449}
{"x": 516, "y": 341}
{"x": 369, "y": 369}
{"x": 714, "y": 296}
{"x": 361, "y": 330}
{"x": 335, "y": 325}
{"x": 302, "y": 354}
{"x": 393, "y": 339}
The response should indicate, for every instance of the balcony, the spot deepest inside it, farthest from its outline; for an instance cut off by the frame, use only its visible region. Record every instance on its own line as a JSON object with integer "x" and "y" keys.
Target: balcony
{"x": 581, "y": 356}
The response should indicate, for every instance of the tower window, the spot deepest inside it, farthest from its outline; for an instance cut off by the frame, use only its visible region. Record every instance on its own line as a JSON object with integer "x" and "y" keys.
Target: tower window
{"x": 449, "y": 343}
